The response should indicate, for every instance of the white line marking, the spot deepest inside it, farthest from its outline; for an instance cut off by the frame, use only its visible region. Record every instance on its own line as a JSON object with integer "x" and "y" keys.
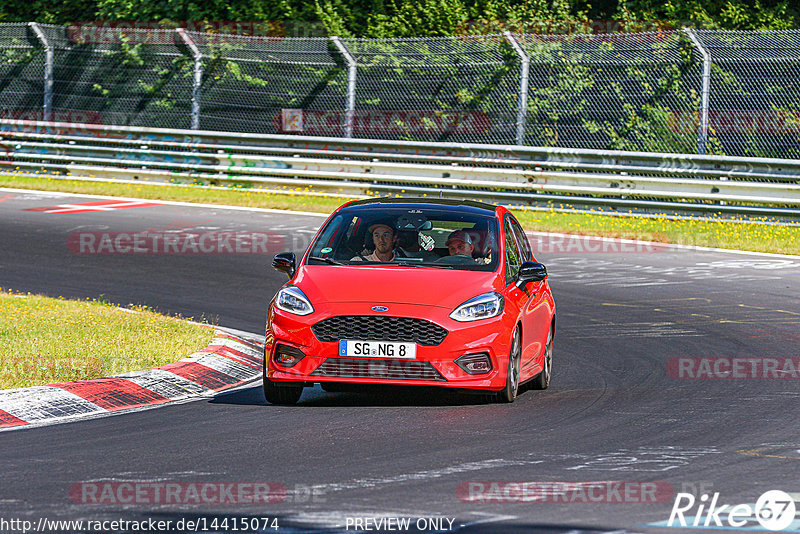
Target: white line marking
{"x": 362, "y": 483}
{"x": 663, "y": 329}
{"x": 643, "y": 459}
{"x": 176, "y": 203}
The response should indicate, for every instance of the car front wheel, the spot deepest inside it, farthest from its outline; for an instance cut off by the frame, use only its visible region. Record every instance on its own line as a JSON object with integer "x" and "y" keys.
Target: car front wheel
{"x": 509, "y": 393}
{"x": 276, "y": 394}
{"x": 542, "y": 380}
{"x": 281, "y": 394}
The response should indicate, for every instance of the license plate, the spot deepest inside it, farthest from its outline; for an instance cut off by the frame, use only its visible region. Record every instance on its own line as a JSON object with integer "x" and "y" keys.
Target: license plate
{"x": 377, "y": 349}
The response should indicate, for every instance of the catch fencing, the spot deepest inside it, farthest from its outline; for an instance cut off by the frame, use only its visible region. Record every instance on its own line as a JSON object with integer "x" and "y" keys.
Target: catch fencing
{"x": 734, "y": 93}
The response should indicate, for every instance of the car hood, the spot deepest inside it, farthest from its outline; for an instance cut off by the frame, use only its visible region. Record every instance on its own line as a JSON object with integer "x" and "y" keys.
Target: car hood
{"x": 398, "y": 285}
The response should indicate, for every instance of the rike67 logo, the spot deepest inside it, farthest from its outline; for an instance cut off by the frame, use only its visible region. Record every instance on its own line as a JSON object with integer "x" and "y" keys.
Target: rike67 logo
{"x": 774, "y": 510}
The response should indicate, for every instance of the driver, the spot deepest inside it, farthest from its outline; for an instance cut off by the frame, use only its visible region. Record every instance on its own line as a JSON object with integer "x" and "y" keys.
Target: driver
{"x": 459, "y": 243}
{"x": 383, "y": 237}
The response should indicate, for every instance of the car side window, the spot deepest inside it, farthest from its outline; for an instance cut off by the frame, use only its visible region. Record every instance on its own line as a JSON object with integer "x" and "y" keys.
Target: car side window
{"x": 522, "y": 239}
{"x": 513, "y": 261}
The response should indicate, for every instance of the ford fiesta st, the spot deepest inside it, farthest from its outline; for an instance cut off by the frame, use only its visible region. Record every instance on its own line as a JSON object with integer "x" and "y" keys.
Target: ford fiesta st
{"x": 412, "y": 292}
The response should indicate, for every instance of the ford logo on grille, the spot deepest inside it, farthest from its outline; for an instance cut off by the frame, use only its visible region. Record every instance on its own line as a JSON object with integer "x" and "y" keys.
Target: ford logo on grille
{"x": 380, "y": 308}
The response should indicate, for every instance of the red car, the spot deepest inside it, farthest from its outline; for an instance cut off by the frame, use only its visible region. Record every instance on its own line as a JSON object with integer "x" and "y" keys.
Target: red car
{"x": 412, "y": 292}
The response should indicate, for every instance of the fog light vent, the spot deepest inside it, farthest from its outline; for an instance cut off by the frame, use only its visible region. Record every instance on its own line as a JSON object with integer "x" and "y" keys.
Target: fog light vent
{"x": 286, "y": 356}
{"x": 475, "y": 364}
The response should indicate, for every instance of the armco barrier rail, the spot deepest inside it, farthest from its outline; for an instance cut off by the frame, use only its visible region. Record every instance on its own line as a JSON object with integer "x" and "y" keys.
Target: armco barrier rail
{"x": 357, "y": 166}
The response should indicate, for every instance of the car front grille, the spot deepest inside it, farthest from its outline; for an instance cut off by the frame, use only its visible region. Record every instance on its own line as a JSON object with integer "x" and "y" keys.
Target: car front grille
{"x": 378, "y": 368}
{"x": 379, "y": 328}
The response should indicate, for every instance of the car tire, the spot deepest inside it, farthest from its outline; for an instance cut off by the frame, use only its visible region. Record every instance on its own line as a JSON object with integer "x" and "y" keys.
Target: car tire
{"x": 281, "y": 394}
{"x": 542, "y": 380}
{"x": 509, "y": 393}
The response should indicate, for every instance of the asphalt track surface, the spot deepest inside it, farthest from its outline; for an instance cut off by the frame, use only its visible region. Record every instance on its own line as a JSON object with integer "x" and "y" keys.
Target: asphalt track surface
{"x": 613, "y": 413}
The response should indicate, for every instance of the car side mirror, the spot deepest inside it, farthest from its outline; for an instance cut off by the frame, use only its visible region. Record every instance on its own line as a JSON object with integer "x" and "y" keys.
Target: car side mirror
{"x": 531, "y": 271}
{"x": 286, "y": 262}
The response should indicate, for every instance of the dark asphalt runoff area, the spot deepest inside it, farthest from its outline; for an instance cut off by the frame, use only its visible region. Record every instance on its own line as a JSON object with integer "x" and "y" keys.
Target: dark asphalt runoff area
{"x": 624, "y": 428}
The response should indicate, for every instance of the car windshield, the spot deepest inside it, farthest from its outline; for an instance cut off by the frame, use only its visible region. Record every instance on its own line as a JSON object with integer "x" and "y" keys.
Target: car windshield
{"x": 409, "y": 235}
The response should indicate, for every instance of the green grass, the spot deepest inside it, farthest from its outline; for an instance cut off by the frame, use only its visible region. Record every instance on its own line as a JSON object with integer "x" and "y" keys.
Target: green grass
{"x": 741, "y": 235}
{"x": 48, "y": 340}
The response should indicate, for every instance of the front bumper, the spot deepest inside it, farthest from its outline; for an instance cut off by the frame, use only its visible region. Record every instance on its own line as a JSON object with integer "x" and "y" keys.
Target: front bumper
{"x": 433, "y": 365}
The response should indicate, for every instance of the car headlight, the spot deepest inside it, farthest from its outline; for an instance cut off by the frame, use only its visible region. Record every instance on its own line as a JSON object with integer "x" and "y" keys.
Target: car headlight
{"x": 291, "y": 299}
{"x": 480, "y": 307}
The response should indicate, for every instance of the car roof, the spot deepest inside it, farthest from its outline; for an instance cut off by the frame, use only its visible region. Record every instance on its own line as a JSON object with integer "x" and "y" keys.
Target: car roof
{"x": 428, "y": 202}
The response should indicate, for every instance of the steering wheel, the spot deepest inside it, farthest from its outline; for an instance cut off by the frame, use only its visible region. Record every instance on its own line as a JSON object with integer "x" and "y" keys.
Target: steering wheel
{"x": 458, "y": 259}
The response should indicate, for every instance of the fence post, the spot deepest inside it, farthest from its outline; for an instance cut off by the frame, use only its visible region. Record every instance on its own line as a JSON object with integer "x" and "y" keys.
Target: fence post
{"x": 702, "y": 133}
{"x": 197, "y": 82}
{"x": 48, "y": 71}
{"x": 352, "y": 67}
{"x": 522, "y": 106}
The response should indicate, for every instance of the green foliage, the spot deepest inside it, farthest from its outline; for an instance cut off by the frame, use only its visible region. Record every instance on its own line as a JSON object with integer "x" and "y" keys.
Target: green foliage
{"x": 15, "y": 53}
{"x": 714, "y": 14}
{"x": 424, "y": 18}
{"x": 335, "y": 16}
{"x": 421, "y": 18}
{"x": 47, "y": 11}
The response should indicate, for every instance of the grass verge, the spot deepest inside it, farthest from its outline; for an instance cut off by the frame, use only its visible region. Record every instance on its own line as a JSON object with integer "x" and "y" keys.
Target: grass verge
{"x": 47, "y": 340}
{"x": 740, "y": 235}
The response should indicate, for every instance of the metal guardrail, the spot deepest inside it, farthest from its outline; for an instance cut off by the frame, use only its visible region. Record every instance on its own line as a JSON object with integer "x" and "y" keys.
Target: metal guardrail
{"x": 357, "y": 166}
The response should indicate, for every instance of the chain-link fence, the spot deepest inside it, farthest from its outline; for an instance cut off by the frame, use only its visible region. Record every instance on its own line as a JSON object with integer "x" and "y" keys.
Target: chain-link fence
{"x": 734, "y": 93}
{"x": 754, "y": 91}
{"x": 22, "y": 67}
{"x": 616, "y": 91}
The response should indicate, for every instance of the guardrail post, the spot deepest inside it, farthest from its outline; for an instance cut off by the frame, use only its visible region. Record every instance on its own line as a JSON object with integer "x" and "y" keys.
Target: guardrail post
{"x": 197, "y": 81}
{"x": 48, "y": 71}
{"x": 522, "y": 105}
{"x": 352, "y": 69}
{"x": 702, "y": 132}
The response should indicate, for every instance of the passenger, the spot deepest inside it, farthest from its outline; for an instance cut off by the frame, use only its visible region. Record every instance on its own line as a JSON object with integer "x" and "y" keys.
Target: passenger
{"x": 383, "y": 237}
{"x": 459, "y": 243}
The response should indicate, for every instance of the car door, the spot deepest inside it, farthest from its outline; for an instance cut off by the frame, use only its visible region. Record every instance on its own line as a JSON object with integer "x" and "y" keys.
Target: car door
{"x": 516, "y": 299}
{"x": 534, "y": 309}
